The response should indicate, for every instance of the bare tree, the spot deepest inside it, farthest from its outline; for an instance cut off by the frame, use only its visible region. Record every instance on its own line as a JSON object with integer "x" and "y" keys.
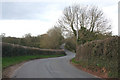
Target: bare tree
{"x": 2, "y": 35}
{"x": 27, "y": 35}
{"x": 97, "y": 20}
{"x": 77, "y": 17}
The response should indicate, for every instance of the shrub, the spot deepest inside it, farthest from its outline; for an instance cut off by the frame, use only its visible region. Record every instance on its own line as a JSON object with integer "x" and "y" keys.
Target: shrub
{"x": 9, "y": 50}
{"x": 71, "y": 44}
{"x": 100, "y": 53}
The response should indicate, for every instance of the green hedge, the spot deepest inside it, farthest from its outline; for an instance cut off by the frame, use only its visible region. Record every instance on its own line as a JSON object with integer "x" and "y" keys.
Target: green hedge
{"x": 100, "y": 53}
{"x": 70, "y": 44}
{"x": 9, "y": 50}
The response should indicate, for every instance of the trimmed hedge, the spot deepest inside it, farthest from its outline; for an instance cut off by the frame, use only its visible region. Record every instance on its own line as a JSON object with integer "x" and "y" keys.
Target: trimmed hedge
{"x": 9, "y": 50}
{"x": 102, "y": 54}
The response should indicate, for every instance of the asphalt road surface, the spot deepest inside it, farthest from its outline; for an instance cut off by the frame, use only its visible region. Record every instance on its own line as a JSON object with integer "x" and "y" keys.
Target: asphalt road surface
{"x": 59, "y": 67}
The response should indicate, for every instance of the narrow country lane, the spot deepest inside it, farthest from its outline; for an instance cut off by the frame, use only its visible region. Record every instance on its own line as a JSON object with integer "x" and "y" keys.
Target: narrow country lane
{"x": 59, "y": 67}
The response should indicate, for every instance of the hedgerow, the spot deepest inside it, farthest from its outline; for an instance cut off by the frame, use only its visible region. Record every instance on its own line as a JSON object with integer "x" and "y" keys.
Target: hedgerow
{"x": 9, "y": 50}
{"x": 100, "y": 54}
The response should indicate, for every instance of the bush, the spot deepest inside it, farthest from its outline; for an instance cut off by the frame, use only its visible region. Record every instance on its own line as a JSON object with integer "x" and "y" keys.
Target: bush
{"x": 9, "y": 50}
{"x": 100, "y": 53}
{"x": 71, "y": 44}
{"x": 84, "y": 37}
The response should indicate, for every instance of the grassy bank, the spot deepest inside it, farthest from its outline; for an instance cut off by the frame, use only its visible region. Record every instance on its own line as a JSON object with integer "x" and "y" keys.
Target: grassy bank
{"x": 81, "y": 63}
{"x": 8, "y": 61}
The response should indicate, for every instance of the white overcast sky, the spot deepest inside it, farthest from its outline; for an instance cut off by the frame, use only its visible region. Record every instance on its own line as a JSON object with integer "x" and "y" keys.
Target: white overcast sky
{"x": 18, "y": 17}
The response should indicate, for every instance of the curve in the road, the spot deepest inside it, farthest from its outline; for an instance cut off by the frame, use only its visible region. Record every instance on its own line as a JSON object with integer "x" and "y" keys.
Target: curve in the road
{"x": 51, "y": 68}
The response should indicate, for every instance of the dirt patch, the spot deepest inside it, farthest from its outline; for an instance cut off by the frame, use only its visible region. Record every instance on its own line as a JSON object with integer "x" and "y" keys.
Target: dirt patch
{"x": 97, "y": 74}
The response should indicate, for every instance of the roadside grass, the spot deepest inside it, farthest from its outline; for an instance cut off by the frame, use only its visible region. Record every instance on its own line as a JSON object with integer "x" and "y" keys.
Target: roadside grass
{"x": 83, "y": 64}
{"x": 8, "y": 61}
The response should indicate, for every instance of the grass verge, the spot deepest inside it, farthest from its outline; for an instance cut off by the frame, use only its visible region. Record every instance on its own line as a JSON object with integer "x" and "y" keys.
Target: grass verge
{"x": 83, "y": 64}
{"x": 8, "y": 61}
